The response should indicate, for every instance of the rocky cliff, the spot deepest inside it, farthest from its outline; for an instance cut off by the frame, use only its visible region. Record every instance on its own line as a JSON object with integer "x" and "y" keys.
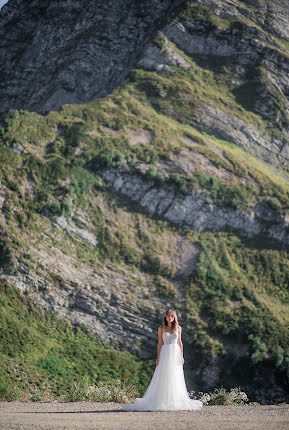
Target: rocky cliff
{"x": 247, "y": 46}
{"x": 54, "y": 52}
{"x": 169, "y": 188}
{"x": 197, "y": 210}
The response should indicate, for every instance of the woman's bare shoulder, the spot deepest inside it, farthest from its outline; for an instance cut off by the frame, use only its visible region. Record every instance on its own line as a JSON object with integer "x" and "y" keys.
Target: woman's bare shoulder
{"x": 179, "y": 328}
{"x": 160, "y": 328}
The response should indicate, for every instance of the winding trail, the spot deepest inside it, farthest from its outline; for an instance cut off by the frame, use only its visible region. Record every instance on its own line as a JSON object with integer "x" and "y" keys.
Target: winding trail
{"x": 88, "y": 416}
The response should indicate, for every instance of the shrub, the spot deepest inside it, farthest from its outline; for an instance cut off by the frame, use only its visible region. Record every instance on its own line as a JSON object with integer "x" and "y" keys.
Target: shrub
{"x": 55, "y": 208}
{"x": 53, "y": 170}
{"x": 53, "y": 365}
{"x": 259, "y": 349}
{"x": 13, "y": 186}
{"x": 8, "y": 392}
{"x": 111, "y": 391}
{"x": 5, "y": 255}
{"x": 274, "y": 203}
{"x": 73, "y": 133}
{"x": 151, "y": 263}
{"x": 160, "y": 40}
{"x": 111, "y": 158}
{"x": 180, "y": 181}
{"x": 158, "y": 177}
{"x": 164, "y": 288}
{"x": 220, "y": 396}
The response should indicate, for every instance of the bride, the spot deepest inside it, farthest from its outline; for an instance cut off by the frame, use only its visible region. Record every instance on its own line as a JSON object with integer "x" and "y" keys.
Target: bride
{"x": 167, "y": 389}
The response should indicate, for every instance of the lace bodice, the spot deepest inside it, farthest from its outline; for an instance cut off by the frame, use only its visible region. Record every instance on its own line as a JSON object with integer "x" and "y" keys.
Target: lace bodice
{"x": 170, "y": 337}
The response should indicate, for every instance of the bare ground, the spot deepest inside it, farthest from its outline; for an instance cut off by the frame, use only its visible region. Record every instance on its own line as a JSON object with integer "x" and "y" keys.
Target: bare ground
{"x": 85, "y": 415}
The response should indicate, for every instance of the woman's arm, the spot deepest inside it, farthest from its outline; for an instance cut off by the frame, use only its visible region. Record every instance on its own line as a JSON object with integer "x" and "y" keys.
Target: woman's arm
{"x": 180, "y": 342}
{"x": 160, "y": 341}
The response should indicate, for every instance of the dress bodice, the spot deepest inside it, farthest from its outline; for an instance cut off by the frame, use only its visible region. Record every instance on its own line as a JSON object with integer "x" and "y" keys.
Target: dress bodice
{"x": 170, "y": 337}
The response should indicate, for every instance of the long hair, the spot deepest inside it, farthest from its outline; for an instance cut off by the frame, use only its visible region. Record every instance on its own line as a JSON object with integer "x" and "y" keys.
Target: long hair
{"x": 174, "y": 322}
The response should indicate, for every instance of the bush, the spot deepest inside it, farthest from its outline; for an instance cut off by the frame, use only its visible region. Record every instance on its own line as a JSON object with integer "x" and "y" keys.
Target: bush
{"x": 274, "y": 203}
{"x": 180, "y": 181}
{"x": 111, "y": 158}
{"x": 73, "y": 133}
{"x": 5, "y": 255}
{"x": 55, "y": 208}
{"x": 153, "y": 264}
{"x": 111, "y": 391}
{"x": 220, "y": 396}
{"x": 158, "y": 177}
{"x": 259, "y": 349}
{"x": 160, "y": 40}
{"x": 53, "y": 170}
{"x": 164, "y": 288}
{"x": 13, "y": 186}
{"x": 53, "y": 365}
{"x": 8, "y": 392}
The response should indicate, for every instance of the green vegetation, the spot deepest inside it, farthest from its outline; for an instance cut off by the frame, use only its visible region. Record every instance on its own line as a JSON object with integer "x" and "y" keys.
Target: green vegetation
{"x": 112, "y": 391}
{"x": 48, "y": 358}
{"x": 52, "y": 166}
{"x": 220, "y": 396}
{"x": 283, "y": 42}
{"x": 164, "y": 288}
{"x": 193, "y": 11}
{"x": 242, "y": 289}
{"x": 238, "y": 196}
{"x": 73, "y": 145}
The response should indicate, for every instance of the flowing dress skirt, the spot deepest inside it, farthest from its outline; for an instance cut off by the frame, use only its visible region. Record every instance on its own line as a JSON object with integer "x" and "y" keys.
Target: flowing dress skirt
{"x": 167, "y": 389}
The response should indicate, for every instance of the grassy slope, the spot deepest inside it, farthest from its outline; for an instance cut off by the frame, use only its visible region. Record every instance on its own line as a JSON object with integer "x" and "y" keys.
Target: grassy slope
{"x": 238, "y": 290}
{"x": 43, "y": 356}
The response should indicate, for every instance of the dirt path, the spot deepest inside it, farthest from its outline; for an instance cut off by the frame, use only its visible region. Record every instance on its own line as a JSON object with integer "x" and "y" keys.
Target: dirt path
{"x": 86, "y": 416}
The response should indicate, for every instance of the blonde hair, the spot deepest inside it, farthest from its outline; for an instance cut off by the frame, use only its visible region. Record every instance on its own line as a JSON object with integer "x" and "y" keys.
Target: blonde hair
{"x": 175, "y": 321}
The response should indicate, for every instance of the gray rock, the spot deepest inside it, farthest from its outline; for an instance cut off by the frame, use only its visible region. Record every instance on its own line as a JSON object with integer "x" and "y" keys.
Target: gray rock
{"x": 80, "y": 232}
{"x": 58, "y": 52}
{"x": 160, "y": 60}
{"x": 196, "y": 210}
{"x": 3, "y": 195}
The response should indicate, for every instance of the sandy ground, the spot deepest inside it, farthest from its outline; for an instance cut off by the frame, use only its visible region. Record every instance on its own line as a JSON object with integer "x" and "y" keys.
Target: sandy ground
{"x": 86, "y": 416}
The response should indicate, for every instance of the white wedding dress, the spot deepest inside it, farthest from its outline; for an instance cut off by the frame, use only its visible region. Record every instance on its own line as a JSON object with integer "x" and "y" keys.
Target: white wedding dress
{"x": 167, "y": 389}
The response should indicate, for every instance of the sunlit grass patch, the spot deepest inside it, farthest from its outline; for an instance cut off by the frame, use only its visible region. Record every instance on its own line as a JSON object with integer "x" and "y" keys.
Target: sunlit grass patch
{"x": 47, "y": 353}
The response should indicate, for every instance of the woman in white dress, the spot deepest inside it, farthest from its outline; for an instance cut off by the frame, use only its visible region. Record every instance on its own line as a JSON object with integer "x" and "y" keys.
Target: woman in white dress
{"x": 167, "y": 389}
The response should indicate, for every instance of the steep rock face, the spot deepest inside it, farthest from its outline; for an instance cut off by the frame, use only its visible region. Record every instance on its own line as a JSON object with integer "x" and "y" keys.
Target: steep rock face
{"x": 57, "y": 52}
{"x": 272, "y": 15}
{"x": 111, "y": 301}
{"x": 245, "y": 42}
{"x": 197, "y": 211}
{"x": 54, "y": 53}
{"x": 112, "y": 304}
